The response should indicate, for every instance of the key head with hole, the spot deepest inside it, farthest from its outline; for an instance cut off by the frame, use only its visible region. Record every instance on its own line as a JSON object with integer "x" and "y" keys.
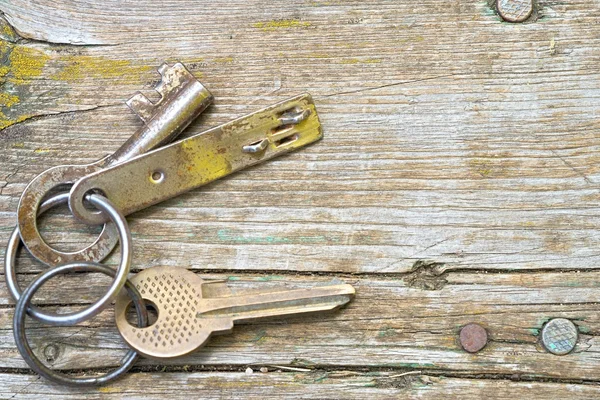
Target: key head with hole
{"x": 188, "y": 313}
{"x": 176, "y": 295}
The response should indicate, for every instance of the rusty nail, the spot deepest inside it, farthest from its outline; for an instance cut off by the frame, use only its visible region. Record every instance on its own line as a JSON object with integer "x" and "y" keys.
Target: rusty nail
{"x": 514, "y": 10}
{"x": 473, "y": 337}
{"x": 559, "y": 336}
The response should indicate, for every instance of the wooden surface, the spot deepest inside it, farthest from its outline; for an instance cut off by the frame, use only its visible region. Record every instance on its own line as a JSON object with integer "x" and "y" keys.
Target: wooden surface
{"x": 457, "y": 182}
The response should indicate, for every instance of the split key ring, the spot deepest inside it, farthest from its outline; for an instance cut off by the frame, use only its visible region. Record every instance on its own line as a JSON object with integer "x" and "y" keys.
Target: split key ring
{"x": 119, "y": 221}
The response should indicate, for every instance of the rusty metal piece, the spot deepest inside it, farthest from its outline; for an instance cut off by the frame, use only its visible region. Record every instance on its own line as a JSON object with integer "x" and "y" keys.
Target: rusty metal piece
{"x": 473, "y": 337}
{"x": 514, "y": 10}
{"x": 183, "y": 98}
{"x": 203, "y": 158}
{"x": 188, "y": 315}
{"x": 559, "y": 336}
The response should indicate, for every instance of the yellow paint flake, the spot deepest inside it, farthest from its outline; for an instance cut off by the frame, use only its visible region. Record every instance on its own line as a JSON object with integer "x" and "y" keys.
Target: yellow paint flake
{"x": 361, "y": 61}
{"x": 108, "y": 389}
{"x": 482, "y": 167}
{"x": 6, "y": 30}
{"x": 42, "y": 150}
{"x": 26, "y": 63}
{"x": 319, "y": 55}
{"x": 6, "y": 121}
{"x": 81, "y": 67}
{"x": 281, "y": 24}
{"x": 18, "y": 145}
{"x": 5, "y": 47}
{"x": 224, "y": 60}
{"x": 8, "y": 100}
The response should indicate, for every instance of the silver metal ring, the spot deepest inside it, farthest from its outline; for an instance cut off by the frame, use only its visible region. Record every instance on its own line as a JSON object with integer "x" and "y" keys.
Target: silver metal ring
{"x": 104, "y": 205}
{"x": 34, "y": 362}
{"x": 13, "y": 246}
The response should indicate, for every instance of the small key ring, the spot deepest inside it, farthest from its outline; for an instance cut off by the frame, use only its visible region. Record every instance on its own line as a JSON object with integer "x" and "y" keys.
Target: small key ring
{"x": 25, "y": 349}
{"x": 104, "y": 205}
{"x": 30, "y": 207}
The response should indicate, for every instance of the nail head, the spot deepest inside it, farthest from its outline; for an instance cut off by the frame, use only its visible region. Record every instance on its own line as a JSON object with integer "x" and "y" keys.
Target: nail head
{"x": 515, "y": 10}
{"x": 559, "y": 336}
{"x": 473, "y": 337}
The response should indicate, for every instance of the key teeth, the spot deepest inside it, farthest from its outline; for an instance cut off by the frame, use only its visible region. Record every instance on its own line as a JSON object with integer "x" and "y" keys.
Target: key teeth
{"x": 141, "y": 106}
{"x": 173, "y": 78}
{"x": 162, "y": 69}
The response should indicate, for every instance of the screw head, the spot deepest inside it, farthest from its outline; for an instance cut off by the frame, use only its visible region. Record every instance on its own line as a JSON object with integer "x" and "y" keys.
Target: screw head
{"x": 473, "y": 337}
{"x": 559, "y": 336}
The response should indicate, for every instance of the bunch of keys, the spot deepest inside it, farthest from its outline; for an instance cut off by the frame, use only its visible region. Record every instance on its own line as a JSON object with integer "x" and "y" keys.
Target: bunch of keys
{"x": 144, "y": 171}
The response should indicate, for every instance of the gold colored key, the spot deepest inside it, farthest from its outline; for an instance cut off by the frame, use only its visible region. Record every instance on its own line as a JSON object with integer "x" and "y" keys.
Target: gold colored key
{"x": 189, "y": 312}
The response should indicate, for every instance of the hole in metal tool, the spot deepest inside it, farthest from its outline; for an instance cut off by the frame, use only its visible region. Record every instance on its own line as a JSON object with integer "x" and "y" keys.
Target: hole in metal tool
{"x": 292, "y": 110}
{"x": 157, "y": 177}
{"x": 286, "y": 140}
{"x": 131, "y": 315}
{"x": 255, "y": 144}
{"x": 60, "y": 230}
{"x": 89, "y": 206}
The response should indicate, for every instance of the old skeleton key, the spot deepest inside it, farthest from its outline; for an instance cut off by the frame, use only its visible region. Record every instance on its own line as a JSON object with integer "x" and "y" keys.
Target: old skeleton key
{"x": 188, "y": 315}
{"x": 200, "y": 159}
{"x": 183, "y": 98}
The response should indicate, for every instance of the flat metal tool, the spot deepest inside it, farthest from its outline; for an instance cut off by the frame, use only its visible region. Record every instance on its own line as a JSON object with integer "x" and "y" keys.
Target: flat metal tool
{"x": 200, "y": 159}
{"x": 188, "y": 314}
{"x": 183, "y": 98}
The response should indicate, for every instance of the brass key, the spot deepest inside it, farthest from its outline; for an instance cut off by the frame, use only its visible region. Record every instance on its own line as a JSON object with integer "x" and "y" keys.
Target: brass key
{"x": 188, "y": 314}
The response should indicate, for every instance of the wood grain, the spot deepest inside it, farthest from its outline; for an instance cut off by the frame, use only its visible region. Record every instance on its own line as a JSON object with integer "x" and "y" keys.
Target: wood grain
{"x": 457, "y": 182}
{"x": 315, "y": 385}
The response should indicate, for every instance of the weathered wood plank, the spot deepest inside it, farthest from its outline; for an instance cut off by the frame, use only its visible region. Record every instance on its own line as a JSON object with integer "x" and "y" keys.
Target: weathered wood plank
{"x": 449, "y": 136}
{"x": 279, "y": 385}
{"x": 389, "y": 324}
{"x": 487, "y": 159}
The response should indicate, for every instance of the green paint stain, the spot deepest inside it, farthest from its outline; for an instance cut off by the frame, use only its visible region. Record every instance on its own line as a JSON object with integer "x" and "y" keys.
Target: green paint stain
{"x": 259, "y": 336}
{"x": 321, "y": 378}
{"x": 226, "y": 235}
{"x": 584, "y": 329}
{"x": 269, "y": 278}
{"x": 386, "y": 332}
{"x": 534, "y": 331}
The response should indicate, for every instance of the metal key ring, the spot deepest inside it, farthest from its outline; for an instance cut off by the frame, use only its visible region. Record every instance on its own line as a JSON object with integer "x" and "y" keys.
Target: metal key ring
{"x": 104, "y": 205}
{"x": 13, "y": 246}
{"x": 28, "y": 355}
{"x": 30, "y": 208}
